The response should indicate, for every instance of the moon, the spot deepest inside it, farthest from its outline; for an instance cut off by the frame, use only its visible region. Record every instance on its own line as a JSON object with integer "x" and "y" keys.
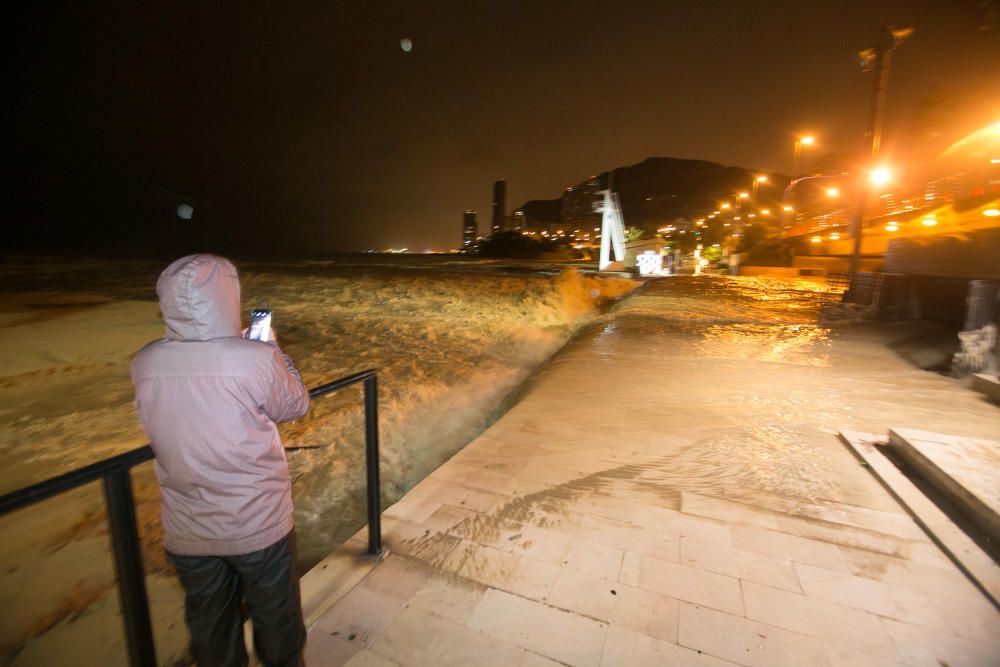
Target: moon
{"x": 406, "y": 44}
{"x": 184, "y": 212}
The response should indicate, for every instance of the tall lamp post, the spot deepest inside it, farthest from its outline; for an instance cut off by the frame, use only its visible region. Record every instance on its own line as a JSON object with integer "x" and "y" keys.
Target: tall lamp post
{"x": 797, "y": 152}
{"x": 879, "y": 59}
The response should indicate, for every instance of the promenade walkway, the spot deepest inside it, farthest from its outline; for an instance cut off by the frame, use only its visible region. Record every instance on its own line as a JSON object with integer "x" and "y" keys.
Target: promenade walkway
{"x": 670, "y": 490}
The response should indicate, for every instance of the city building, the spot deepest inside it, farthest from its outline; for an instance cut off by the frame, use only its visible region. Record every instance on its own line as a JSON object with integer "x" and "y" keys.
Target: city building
{"x": 470, "y": 229}
{"x": 499, "y": 220}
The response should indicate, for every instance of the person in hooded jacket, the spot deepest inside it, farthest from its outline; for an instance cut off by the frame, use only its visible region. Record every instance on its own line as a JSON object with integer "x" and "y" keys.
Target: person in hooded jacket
{"x": 209, "y": 400}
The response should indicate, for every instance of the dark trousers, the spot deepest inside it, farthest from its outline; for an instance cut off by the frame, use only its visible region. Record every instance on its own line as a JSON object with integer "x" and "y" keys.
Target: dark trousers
{"x": 215, "y": 587}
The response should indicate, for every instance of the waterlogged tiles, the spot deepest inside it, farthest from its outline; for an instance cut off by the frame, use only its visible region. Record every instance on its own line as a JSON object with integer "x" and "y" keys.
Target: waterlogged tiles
{"x": 924, "y": 647}
{"x": 870, "y": 595}
{"x": 360, "y": 659}
{"x": 678, "y": 524}
{"x": 580, "y": 464}
{"x": 898, "y": 524}
{"x": 847, "y": 536}
{"x": 500, "y": 569}
{"x": 841, "y": 656}
{"x": 941, "y": 582}
{"x": 359, "y": 616}
{"x": 416, "y": 637}
{"x": 645, "y": 612}
{"x": 445, "y": 517}
{"x": 624, "y": 647}
{"x": 540, "y": 472}
{"x": 974, "y": 618}
{"x": 397, "y": 576}
{"x": 543, "y": 544}
{"x": 560, "y": 635}
{"x": 449, "y": 596}
{"x": 817, "y": 618}
{"x": 460, "y": 495}
{"x": 584, "y": 594}
{"x": 598, "y": 560}
{"x": 792, "y": 547}
{"x": 535, "y": 660}
{"x": 633, "y": 538}
{"x": 739, "y": 563}
{"x": 724, "y": 510}
{"x": 502, "y": 482}
{"x": 691, "y": 584}
{"x": 631, "y": 568}
{"x": 326, "y": 649}
{"x": 746, "y": 642}
{"x": 413, "y": 508}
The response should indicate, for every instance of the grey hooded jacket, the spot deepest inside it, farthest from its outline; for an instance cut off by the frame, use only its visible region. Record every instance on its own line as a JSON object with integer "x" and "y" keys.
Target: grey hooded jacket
{"x": 209, "y": 400}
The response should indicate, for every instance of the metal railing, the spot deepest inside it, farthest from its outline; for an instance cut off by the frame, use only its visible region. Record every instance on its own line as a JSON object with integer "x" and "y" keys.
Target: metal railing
{"x": 115, "y": 472}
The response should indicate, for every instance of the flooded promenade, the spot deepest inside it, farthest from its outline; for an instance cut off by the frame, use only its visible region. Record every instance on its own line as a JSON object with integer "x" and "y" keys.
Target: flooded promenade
{"x": 671, "y": 489}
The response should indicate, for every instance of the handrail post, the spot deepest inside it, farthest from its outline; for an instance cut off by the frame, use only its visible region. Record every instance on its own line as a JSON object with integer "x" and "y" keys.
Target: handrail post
{"x": 372, "y": 466}
{"x": 128, "y": 567}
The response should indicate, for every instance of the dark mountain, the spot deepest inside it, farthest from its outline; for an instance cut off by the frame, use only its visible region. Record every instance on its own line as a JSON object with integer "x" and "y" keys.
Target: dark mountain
{"x": 659, "y": 190}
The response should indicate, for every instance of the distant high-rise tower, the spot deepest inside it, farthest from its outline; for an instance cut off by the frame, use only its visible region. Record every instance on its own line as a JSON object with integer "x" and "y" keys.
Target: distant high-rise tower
{"x": 470, "y": 229}
{"x": 499, "y": 206}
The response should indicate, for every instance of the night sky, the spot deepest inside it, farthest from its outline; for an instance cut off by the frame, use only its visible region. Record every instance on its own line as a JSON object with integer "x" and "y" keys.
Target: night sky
{"x": 306, "y": 127}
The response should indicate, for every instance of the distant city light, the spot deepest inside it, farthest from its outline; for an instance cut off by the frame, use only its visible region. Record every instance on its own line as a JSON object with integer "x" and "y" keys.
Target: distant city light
{"x": 991, "y": 212}
{"x": 815, "y": 239}
{"x": 881, "y": 175}
{"x": 835, "y": 236}
{"x": 765, "y": 211}
{"x": 744, "y": 195}
{"x": 725, "y": 206}
{"x": 892, "y": 227}
{"x": 786, "y": 208}
{"x": 929, "y": 221}
{"x": 832, "y": 192}
{"x": 762, "y": 179}
{"x": 808, "y": 141}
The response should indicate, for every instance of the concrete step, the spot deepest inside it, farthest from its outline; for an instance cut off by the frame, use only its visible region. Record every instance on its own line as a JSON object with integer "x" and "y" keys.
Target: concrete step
{"x": 965, "y": 471}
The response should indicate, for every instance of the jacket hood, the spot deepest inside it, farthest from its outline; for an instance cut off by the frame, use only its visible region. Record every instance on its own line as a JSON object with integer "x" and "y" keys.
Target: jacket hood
{"x": 200, "y": 298}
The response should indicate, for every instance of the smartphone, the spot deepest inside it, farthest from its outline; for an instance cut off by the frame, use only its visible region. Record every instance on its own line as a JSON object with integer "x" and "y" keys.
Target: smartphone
{"x": 260, "y": 324}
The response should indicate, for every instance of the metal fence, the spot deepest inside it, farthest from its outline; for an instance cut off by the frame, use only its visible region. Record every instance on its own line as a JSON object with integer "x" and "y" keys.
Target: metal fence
{"x": 115, "y": 473}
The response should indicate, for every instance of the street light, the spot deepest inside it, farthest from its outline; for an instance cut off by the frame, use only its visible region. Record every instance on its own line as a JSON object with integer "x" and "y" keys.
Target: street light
{"x": 756, "y": 184}
{"x": 879, "y": 59}
{"x": 799, "y": 143}
{"x": 880, "y": 176}
{"x": 833, "y": 193}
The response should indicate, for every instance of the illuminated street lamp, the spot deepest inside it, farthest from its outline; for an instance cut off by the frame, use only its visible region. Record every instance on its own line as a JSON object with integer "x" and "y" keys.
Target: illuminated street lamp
{"x": 762, "y": 178}
{"x": 879, "y": 59}
{"x": 833, "y": 193}
{"x": 799, "y": 143}
{"x": 880, "y": 176}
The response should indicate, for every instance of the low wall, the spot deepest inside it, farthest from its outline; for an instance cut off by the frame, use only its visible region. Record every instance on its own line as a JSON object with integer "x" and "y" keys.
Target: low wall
{"x": 787, "y": 272}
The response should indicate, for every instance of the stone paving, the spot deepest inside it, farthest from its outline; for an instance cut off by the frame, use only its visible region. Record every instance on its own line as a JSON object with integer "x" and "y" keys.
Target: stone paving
{"x": 640, "y": 506}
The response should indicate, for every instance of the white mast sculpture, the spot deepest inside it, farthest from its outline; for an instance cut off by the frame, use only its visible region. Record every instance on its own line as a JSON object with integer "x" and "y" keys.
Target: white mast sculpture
{"x": 612, "y": 229}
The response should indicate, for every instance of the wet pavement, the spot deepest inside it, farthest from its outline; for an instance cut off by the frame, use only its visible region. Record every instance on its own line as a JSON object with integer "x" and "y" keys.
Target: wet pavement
{"x": 670, "y": 489}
